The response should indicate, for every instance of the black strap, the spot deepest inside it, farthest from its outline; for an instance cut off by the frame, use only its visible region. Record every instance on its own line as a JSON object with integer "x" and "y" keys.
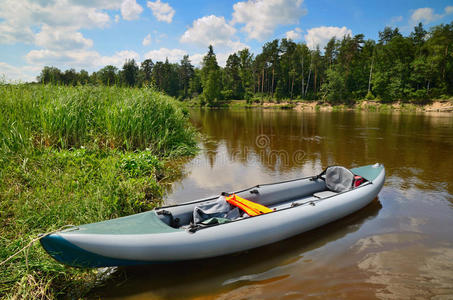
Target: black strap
{"x": 193, "y": 228}
{"x": 319, "y": 176}
{"x": 174, "y": 222}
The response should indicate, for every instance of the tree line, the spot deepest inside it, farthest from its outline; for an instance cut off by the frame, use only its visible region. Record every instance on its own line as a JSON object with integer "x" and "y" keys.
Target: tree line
{"x": 417, "y": 67}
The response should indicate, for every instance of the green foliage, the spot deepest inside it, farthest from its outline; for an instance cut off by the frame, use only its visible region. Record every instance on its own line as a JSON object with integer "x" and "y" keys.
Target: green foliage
{"x": 52, "y": 188}
{"x": 195, "y": 86}
{"x": 49, "y": 75}
{"x": 335, "y": 87}
{"x": 227, "y": 94}
{"x": 393, "y": 68}
{"x": 130, "y": 73}
{"x": 146, "y": 70}
{"x": 186, "y": 72}
{"x": 369, "y": 96}
{"x": 140, "y": 164}
{"x": 212, "y": 87}
{"x": 71, "y": 117}
{"x": 232, "y": 83}
{"x": 211, "y": 78}
{"x": 75, "y": 155}
{"x": 108, "y": 75}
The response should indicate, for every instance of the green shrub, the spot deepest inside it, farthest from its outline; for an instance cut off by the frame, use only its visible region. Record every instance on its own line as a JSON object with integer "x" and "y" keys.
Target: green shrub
{"x": 75, "y": 155}
{"x": 369, "y": 96}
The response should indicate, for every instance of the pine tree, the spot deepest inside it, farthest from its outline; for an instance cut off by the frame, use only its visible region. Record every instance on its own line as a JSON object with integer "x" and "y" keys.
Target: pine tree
{"x": 186, "y": 72}
{"x": 211, "y": 78}
{"x": 130, "y": 72}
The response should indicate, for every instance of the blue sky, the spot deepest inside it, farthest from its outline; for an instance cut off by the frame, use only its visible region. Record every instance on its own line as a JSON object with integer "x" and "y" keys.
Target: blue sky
{"x": 90, "y": 34}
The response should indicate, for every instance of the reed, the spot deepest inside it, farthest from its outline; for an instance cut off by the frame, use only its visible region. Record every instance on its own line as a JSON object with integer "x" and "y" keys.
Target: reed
{"x": 70, "y": 117}
{"x": 74, "y": 155}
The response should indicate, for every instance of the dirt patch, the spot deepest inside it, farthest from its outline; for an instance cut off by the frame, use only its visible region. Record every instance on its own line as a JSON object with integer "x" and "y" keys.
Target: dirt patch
{"x": 436, "y": 106}
{"x": 312, "y": 106}
{"x": 439, "y": 106}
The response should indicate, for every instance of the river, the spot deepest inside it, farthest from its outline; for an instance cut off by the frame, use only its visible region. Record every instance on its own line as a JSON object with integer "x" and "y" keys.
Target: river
{"x": 398, "y": 247}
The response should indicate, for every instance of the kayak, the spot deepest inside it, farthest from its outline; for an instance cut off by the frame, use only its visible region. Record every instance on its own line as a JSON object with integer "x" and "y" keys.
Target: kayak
{"x": 168, "y": 234}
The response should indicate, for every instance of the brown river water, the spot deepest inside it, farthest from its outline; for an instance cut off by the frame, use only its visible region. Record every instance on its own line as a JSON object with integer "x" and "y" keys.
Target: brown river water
{"x": 398, "y": 247}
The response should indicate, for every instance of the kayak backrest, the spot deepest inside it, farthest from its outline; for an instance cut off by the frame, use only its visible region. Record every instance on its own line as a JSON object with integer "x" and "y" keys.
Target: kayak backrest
{"x": 339, "y": 179}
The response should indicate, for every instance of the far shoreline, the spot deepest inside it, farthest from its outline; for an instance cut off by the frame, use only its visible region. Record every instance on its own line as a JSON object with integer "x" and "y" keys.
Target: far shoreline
{"x": 313, "y": 105}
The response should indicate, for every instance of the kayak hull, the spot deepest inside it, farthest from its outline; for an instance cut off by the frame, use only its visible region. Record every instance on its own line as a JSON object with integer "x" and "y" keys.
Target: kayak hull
{"x": 86, "y": 247}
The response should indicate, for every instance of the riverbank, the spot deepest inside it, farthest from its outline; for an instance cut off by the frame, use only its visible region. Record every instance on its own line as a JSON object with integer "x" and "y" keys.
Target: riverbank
{"x": 366, "y": 105}
{"x": 75, "y": 155}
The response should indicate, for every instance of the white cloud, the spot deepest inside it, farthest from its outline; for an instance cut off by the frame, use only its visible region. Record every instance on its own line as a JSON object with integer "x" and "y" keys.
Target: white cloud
{"x": 215, "y": 31}
{"x": 19, "y": 17}
{"x": 130, "y": 10}
{"x": 321, "y": 35}
{"x": 159, "y": 36}
{"x": 173, "y": 55}
{"x": 396, "y": 19}
{"x": 61, "y": 38}
{"x": 105, "y": 4}
{"x": 221, "y": 57}
{"x": 261, "y": 17}
{"x": 209, "y": 30}
{"x": 295, "y": 34}
{"x": 117, "y": 59}
{"x": 88, "y": 59}
{"x": 235, "y": 46}
{"x": 147, "y": 40}
{"x": 18, "y": 74}
{"x": 426, "y": 15}
{"x": 161, "y": 10}
{"x": 55, "y": 27}
{"x": 10, "y": 34}
{"x": 196, "y": 59}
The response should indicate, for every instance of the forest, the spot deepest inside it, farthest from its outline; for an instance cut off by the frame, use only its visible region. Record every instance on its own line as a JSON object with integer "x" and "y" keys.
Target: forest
{"x": 413, "y": 68}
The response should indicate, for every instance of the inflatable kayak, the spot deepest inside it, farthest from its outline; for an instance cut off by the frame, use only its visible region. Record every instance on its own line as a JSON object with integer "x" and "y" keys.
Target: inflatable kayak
{"x": 219, "y": 225}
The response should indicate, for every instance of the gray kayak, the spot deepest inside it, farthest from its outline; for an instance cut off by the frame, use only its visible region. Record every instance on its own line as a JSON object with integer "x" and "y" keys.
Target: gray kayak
{"x": 167, "y": 234}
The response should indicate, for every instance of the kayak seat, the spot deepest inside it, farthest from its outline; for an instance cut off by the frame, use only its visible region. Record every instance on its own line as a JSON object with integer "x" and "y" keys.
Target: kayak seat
{"x": 324, "y": 194}
{"x": 339, "y": 179}
{"x": 218, "y": 208}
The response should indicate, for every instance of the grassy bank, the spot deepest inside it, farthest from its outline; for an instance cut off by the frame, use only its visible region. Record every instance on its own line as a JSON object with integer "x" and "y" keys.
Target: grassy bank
{"x": 73, "y": 155}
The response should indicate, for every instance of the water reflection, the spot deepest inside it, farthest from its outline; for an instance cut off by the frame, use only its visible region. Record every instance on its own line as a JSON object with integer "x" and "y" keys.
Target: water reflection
{"x": 262, "y": 266}
{"x": 399, "y": 247}
{"x": 249, "y": 147}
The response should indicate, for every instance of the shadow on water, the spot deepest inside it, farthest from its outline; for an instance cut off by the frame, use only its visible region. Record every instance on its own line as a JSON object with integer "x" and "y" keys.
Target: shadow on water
{"x": 222, "y": 274}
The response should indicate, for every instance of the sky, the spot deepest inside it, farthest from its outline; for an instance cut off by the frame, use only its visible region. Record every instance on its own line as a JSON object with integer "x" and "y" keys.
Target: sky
{"x": 90, "y": 34}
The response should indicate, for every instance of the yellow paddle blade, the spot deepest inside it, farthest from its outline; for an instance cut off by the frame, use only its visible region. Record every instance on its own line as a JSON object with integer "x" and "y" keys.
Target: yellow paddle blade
{"x": 250, "y": 207}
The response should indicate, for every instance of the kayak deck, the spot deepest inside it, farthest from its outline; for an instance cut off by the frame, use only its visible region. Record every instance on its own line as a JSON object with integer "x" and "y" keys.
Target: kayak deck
{"x": 142, "y": 223}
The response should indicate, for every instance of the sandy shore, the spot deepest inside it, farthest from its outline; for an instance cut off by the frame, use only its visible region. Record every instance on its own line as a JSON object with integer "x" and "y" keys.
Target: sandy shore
{"x": 436, "y": 106}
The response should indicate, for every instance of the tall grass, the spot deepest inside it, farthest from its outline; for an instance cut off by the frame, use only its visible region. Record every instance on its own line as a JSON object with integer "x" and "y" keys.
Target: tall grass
{"x": 74, "y": 155}
{"x": 71, "y": 117}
